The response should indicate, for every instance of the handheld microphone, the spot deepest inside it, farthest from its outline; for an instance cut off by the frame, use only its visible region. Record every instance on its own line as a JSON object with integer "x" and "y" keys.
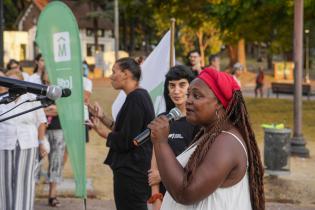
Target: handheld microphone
{"x": 173, "y": 115}
{"x": 52, "y": 92}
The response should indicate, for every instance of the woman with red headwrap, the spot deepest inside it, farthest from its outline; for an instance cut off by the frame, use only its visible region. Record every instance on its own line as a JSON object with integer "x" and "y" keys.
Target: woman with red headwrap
{"x": 222, "y": 169}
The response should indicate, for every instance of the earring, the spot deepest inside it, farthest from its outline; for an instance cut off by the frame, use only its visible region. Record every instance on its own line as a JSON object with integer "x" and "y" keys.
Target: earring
{"x": 216, "y": 113}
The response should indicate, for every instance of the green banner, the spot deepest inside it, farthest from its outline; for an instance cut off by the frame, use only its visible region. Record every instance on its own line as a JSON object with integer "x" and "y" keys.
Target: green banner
{"x": 58, "y": 39}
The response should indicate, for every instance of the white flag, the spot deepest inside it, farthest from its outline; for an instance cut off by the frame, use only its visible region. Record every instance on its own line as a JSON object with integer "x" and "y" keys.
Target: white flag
{"x": 154, "y": 69}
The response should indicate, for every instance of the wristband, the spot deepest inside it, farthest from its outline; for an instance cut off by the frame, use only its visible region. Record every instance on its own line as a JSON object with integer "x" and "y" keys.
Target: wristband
{"x": 154, "y": 197}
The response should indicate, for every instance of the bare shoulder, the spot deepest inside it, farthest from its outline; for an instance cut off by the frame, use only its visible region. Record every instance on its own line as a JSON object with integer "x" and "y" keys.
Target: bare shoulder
{"x": 227, "y": 147}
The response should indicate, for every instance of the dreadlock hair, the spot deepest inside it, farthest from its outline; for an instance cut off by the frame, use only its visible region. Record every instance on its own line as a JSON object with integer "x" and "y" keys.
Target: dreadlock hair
{"x": 235, "y": 114}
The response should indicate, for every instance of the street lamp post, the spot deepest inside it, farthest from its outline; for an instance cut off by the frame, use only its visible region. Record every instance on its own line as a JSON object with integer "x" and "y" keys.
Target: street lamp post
{"x": 297, "y": 142}
{"x": 116, "y": 30}
{"x": 307, "y": 56}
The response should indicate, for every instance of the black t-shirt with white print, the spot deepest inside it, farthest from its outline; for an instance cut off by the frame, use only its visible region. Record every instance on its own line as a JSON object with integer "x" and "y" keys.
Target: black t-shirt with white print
{"x": 181, "y": 135}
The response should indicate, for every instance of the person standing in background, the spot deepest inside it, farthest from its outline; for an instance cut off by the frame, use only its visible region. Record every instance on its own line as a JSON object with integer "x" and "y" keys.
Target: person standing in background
{"x": 195, "y": 62}
{"x": 87, "y": 91}
{"x": 15, "y": 65}
{"x": 56, "y": 141}
{"x": 214, "y": 62}
{"x": 259, "y": 82}
{"x": 236, "y": 72}
{"x": 39, "y": 70}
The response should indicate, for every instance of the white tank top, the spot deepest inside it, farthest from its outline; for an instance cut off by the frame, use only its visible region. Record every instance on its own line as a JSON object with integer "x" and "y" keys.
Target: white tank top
{"x": 236, "y": 197}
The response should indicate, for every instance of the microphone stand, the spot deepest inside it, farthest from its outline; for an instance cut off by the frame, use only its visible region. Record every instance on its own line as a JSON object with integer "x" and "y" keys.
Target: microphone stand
{"x": 45, "y": 103}
{"x": 13, "y": 93}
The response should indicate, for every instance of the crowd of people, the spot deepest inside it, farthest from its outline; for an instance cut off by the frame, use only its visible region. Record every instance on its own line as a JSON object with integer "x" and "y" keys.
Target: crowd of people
{"x": 207, "y": 159}
{"x": 29, "y": 138}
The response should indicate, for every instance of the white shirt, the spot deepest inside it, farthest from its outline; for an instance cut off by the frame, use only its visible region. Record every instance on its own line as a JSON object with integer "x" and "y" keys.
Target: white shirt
{"x": 23, "y": 128}
{"x": 35, "y": 78}
{"x": 26, "y": 76}
{"x": 87, "y": 84}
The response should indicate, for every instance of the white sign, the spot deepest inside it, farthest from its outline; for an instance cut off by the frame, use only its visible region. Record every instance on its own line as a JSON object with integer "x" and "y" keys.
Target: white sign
{"x": 62, "y": 47}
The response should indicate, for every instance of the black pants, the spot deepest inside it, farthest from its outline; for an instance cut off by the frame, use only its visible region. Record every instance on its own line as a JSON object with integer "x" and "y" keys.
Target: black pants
{"x": 130, "y": 193}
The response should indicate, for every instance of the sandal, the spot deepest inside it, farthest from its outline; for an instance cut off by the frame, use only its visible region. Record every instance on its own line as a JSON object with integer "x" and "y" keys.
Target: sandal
{"x": 53, "y": 202}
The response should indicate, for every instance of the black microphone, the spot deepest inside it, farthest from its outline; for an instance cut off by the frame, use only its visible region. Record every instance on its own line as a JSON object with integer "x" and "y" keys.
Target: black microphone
{"x": 52, "y": 92}
{"x": 173, "y": 115}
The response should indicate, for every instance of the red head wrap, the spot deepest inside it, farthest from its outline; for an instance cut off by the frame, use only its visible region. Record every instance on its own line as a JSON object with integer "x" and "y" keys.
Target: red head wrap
{"x": 222, "y": 84}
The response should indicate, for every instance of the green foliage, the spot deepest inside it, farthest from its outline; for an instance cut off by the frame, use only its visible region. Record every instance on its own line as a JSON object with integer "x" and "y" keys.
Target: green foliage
{"x": 268, "y": 21}
{"x": 10, "y": 14}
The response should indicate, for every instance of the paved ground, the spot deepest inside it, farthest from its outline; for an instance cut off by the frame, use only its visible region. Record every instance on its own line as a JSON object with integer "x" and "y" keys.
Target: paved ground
{"x": 94, "y": 204}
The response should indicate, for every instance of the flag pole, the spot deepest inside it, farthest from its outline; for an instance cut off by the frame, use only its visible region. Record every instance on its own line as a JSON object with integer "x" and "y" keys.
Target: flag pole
{"x": 172, "y": 50}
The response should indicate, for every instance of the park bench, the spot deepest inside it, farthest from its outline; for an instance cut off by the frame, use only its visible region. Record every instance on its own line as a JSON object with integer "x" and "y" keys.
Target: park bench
{"x": 288, "y": 88}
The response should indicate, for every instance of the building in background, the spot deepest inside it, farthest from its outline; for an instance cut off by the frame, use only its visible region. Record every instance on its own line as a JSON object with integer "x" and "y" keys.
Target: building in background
{"x": 20, "y": 44}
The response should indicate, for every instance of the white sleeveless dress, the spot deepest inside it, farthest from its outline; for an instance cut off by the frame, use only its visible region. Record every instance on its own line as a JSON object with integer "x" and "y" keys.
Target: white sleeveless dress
{"x": 236, "y": 197}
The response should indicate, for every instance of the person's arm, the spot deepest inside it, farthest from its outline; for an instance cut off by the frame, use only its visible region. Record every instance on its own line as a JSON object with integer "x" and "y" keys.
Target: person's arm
{"x": 154, "y": 182}
{"x": 97, "y": 111}
{"x": 133, "y": 122}
{"x": 97, "y": 125}
{"x": 41, "y": 136}
{"x": 41, "y": 121}
{"x": 51, "y": 110}
{"x": 209, "y": 175}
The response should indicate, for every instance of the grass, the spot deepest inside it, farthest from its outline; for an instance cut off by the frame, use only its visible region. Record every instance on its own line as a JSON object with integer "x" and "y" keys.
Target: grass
{"x": 280, "y": 111}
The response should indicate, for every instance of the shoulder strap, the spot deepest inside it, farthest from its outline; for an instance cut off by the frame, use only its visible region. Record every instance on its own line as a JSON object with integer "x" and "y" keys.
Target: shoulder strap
{"x": 239, "y": 140}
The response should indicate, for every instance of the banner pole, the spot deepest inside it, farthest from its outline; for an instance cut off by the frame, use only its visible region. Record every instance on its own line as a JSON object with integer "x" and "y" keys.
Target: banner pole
{"x": 172, "y": 50}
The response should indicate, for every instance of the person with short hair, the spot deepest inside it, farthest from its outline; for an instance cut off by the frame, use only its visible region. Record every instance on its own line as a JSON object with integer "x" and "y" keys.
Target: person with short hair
{"x": 236, "y": 72}
{"x": 195, "y": 62}
{"x": 222, "y": 168}
{"x": 214, "y": 62}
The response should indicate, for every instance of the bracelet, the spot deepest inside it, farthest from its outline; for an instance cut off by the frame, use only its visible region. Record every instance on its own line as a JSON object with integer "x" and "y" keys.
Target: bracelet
{"x": 154, "y": 197}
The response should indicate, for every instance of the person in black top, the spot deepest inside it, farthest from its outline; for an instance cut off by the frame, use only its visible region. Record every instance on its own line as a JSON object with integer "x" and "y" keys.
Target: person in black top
{"x": 128, "y": 162}
{"x": 194, "y": 63}
{"x": 181, "y": 132}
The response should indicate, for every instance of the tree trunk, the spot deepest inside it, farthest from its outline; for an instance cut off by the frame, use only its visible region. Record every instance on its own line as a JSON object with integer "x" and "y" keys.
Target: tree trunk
{"x": 124, "y": 30}
{"x": 232, "y": 52}
{"x": 131, "y": 36}
{"x": 269, "y": 60}
{"x": 241, "y": 54}
{"x": 199, "y": 35}
{"x": 95, "y": 29}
